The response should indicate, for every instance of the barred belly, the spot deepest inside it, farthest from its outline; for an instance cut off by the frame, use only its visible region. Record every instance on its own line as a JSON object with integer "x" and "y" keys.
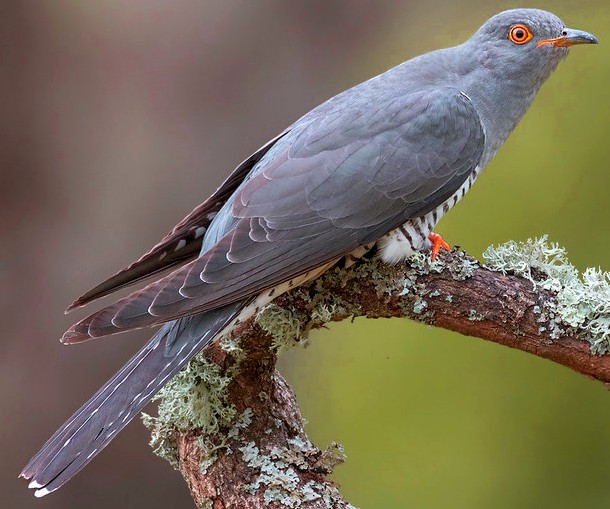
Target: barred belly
{"x": 412, "y": 236}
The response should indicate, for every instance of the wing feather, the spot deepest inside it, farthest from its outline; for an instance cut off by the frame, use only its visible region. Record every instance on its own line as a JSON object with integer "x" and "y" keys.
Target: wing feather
{"x": 327, "y": 188}
{"x": 184, "y": 242}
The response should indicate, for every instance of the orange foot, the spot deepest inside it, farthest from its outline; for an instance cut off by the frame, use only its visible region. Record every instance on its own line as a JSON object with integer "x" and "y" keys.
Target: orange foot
{"x": 437, "y": 244}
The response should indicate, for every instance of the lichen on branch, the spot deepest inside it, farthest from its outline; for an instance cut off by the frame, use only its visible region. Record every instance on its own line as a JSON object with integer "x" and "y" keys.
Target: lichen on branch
{"x": 583, "y": 300}
{"x": 232, "y": 426}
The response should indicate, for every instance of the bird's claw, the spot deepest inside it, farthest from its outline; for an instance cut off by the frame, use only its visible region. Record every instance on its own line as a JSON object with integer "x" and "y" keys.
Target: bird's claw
{"x": 437, "y": 244}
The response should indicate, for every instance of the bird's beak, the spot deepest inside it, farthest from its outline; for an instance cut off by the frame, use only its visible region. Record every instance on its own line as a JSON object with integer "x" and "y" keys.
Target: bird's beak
{"x": 570, "y": 37}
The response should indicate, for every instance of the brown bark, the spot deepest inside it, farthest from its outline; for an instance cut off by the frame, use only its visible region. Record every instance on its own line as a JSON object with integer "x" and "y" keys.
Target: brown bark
{"x": 283, "y": 467}
{"x": 278, "y": 466}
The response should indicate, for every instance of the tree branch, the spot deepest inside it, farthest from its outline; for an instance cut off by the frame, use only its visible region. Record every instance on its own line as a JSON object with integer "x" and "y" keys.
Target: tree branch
{"x": 251, "y": 451}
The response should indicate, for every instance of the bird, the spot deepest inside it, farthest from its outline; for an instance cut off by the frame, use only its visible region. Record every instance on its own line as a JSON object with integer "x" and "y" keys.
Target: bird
{"x": 371, "y": 170}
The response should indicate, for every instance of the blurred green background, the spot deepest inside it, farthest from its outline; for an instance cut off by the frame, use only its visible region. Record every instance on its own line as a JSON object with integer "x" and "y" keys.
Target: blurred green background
{"x": 119, "y": 117}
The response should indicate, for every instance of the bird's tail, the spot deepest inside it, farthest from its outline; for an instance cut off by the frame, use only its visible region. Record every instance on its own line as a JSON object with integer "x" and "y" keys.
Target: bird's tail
{"x": 99, "y": 420}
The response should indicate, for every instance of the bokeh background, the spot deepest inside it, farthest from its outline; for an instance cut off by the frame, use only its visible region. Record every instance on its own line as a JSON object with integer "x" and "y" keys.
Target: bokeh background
{"x": 118, "y": 117}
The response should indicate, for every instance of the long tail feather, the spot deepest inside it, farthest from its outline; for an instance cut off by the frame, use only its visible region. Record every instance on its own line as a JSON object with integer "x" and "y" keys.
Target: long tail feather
{"x": 99, "y": 420}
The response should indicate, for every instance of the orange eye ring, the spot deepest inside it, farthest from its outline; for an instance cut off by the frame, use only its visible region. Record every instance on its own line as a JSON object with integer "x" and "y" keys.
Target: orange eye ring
{"x": 519, "y": 34}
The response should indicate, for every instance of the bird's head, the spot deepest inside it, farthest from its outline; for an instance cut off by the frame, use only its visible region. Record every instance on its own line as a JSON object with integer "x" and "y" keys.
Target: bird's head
{"x": 526, "y": 43}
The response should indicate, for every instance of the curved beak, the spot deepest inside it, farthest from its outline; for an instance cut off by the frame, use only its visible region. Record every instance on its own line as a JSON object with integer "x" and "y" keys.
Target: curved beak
{"x": 570, "y": 37}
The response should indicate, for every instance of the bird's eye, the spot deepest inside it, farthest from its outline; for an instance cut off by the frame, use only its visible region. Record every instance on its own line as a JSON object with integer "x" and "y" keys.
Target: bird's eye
{"x": 519, "y": 34}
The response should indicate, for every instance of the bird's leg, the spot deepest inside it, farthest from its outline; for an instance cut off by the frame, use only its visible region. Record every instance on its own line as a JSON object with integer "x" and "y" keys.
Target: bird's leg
{"x": 437, "y": 244}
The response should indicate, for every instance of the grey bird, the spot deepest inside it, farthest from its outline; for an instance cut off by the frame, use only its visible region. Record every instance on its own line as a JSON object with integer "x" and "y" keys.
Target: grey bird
{"x": 375, "y": 167}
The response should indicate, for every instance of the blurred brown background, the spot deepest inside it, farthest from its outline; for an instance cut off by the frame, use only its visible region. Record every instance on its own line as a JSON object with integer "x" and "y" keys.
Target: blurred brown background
{"x": 117, "y": 118}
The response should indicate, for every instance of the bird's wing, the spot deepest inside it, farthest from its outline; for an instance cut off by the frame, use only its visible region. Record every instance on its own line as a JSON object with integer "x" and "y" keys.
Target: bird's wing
{"x": 328, "y": 187}
{"x": 184, "y": 242}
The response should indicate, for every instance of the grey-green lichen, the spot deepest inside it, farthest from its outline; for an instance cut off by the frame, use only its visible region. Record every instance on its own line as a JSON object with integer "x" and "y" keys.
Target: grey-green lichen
{"x": 460, "y": 267}
{"x": 464, "y": 268}
{"x": 421, "y": 263}
{"x": 332, "y": 456}
{"x": 209, "y": 448}
{"x": 582, "y": 300}
{"x": 196, "y": 398}
{"x": 281, "y": 324}
{"x": 475, "y": 316}
{"x": 278, "y": 477}
{"x": 323, "y": 312}
{"x": 205, "y": 503}
{"x": 287, "y": 327}
{"x": 419, "y": 305}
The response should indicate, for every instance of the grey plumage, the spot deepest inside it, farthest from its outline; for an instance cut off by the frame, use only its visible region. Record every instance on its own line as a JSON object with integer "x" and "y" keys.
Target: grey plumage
{"x": 90, "y": 429}
{"x": 286, "y": 219}
{"x": 381, "y": 162}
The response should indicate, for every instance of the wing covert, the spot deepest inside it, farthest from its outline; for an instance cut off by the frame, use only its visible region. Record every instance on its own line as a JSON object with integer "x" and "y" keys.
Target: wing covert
{"x": 327, "y": 188}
